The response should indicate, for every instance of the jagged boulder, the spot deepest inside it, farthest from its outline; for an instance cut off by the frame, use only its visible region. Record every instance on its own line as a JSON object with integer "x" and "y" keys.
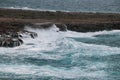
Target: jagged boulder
{"x": 33, "y": 35}
{"x": 13, "y": 39}
{"x": 10, "y": 42}
{"x": 12, "y": 33}
{"x": 15, "y": 35}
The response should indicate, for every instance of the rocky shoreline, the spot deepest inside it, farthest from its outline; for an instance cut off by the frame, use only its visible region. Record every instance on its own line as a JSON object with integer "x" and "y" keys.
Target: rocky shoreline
{"x": 11, "y": 34}
{"x": 14, "y": 38}
{"x": 13, "y": 21}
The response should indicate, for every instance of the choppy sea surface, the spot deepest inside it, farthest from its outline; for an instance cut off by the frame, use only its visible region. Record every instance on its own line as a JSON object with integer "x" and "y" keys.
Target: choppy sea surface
{"x": 67, "y": 55}
{"x": 60, "y": 55}
{"x": 109, "y": 6}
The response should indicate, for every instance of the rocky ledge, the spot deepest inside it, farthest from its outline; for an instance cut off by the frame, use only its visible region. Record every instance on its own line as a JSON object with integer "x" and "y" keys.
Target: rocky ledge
{"x": 12, "y": 35}
{"x": 81, "y": 27}
{"x": 13, "y": 39}
{"x": 12, "y": 22}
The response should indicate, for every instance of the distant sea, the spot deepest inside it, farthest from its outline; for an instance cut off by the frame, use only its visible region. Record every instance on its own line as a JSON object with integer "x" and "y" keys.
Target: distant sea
{"x": 107, "y": 6}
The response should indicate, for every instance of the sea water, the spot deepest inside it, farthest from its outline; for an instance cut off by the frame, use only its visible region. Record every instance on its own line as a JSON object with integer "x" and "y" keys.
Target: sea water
{"x": 107, "y": 6}
{"x": 66, "y": 55}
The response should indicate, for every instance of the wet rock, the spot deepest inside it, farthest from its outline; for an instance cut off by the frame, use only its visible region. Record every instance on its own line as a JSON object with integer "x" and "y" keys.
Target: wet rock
{"x": 14, "y": 35}
{"x": 10, "y": 42}
{"x": 33, "y": 35}
{"x": 13, "y": 39}
{"x": 62, "y": 27}
{"x": 92, "y": 27}
{"x": 21, "y": 41}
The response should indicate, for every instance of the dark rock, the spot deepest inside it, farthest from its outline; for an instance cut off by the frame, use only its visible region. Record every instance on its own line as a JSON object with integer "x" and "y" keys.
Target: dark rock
{"x": 33, "y": 35}
{"x": 20, "y": 36}
{"x": 92, "y": 27}
{"x": 13, "y": 39}
{"x": 10, "y": 42}
{"x": 41, "y": 25}
{"x": 14, "y": 35}
{"x": 21, "y": 41}
{"x": 62, "y": 27}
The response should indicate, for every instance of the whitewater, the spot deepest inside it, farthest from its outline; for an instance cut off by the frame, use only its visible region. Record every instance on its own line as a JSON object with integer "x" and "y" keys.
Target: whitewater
{"x": 56, "y": 55}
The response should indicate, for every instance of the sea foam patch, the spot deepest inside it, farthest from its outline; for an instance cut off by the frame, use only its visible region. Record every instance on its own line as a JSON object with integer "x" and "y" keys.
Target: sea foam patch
{"x": 57, "y": 54}
{"x": 27, "y": 70}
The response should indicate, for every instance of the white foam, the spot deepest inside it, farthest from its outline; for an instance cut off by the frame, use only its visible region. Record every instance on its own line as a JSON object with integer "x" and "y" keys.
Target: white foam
{"x": 46, "y": 39}
{"x": 43, "y": 71}
{"x": 51, "y": 40}
{"x": 37, "y": 9}
{"x": 85, "y": 49}
{"x": 89, "y": 34}
{"x": 92, "y": 49}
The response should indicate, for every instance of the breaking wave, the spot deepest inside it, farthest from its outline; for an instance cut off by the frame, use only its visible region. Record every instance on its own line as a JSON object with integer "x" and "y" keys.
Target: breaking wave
{"x": 36, "y": 9}
{"x": 59, "y": 55}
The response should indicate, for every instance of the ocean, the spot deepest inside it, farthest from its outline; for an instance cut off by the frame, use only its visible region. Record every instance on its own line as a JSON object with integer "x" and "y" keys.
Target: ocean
{"x": 109, "y": 6}
{"x": 66, "y": 55}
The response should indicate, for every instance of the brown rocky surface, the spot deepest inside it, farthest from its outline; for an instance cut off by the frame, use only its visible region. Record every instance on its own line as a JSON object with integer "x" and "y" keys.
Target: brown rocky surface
{"x": 13, "y": 20}
{"x": 75, "y": 21}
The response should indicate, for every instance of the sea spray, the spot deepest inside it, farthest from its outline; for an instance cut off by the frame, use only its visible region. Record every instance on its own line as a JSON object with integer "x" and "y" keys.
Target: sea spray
{"x": 57, "y": 55}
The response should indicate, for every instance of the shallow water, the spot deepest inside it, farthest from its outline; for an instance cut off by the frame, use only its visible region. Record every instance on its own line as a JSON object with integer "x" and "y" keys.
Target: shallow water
{"x": 111, "y": 6}
{"x": 63, "y": 56}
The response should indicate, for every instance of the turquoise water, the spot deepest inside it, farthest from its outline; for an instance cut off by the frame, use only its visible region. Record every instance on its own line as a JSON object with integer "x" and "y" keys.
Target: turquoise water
{"x": 63, "y": 56}
{"x": 111, "y": 6}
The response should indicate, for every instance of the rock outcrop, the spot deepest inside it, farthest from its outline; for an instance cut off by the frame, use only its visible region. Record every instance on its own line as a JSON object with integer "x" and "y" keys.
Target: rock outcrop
{"x": 75, "y": 21}
{"x": 81, "y": 27}
{"x": 13, "y": 39}
{"x": 31, "y": 34}
{"x": 92, "y": 27}
{"x": 12, "y": 22}
{"x": 62, "y": 27}
{"x": 10, "y": 42}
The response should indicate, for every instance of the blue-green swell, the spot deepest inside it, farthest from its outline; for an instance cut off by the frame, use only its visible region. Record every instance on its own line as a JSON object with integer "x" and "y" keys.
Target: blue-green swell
{"x": 63, "y": 56}
{"x": 111, "y": 6}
